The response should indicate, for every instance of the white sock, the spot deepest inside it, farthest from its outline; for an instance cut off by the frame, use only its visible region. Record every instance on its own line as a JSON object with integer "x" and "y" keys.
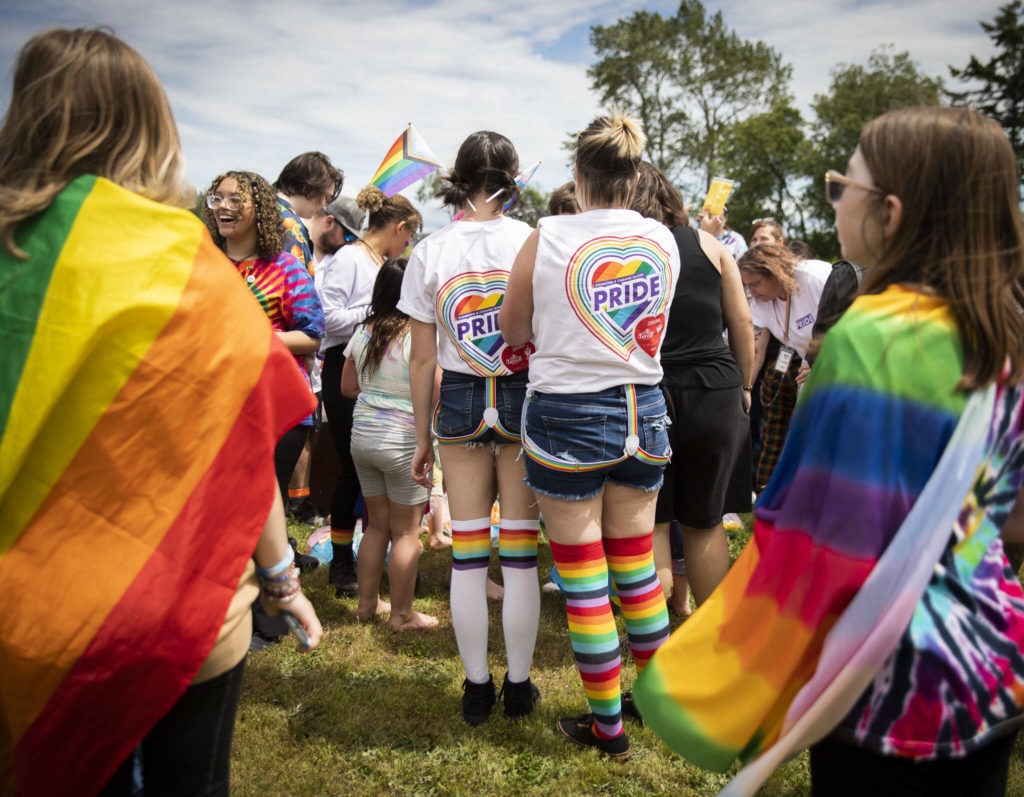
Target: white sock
{"x": 520, "y": 611}
{"x": 471, "y": 548}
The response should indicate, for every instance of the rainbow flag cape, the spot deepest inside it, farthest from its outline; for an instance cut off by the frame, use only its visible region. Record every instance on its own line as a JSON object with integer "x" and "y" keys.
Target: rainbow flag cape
{"x": 846, "y": 536}
{"x": 408, "y": 161}
{"x": 142, "y": 393}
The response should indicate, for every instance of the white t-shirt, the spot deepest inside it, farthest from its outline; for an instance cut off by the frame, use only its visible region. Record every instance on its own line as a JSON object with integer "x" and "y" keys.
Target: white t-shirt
{"x": 602, "y": 285}
{"x": 803, "y": 307}
{"x": 456, "y": 279}
{"x": 346, "y": 285}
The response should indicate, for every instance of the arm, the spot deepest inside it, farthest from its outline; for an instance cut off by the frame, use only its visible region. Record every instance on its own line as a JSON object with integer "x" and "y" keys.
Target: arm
{"x": 345, "y": 299}
{"x": 271, "y": 548}
{"x": 515, "y": 318}
{"x": 761, "y": 336}
{"x": 298, "y": 342}
{"x": 422, "y": 376}
{"x": 349, "y": 380}
{"x": 736, "y": 312}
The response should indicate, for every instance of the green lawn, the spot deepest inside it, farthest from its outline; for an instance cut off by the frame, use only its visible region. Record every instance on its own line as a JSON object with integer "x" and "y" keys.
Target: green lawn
{"x": 377, "y": 712}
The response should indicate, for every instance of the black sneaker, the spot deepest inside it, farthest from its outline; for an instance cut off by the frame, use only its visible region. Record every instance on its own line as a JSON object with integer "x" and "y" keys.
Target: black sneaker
{"x": 629, "y": 709}
{"x": 343, "y": 576}
{"x": 581, "y": 731}
{"x": 304, "y": 562}
{"x": 519, "y": 698}
{"x": 478, "y": 700}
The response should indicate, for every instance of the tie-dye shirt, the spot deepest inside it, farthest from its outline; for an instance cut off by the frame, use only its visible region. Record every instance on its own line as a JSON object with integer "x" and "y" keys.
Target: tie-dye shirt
{"x": 296, "y": 236}
{"x": 285, "y": 291}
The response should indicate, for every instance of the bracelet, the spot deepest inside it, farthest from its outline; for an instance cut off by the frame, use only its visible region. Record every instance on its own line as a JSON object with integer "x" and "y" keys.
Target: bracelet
{"x": 280, "y": 567}
{"x": 748, "y": 387}
{"x": 288, "y": 574}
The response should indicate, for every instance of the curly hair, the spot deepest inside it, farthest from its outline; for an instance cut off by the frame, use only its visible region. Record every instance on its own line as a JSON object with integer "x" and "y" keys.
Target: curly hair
{"x": 774, "y": 260}
{"x": 269, "y": 227}
{"x": 388, "y": 321}
{"x": 385, "y": 210}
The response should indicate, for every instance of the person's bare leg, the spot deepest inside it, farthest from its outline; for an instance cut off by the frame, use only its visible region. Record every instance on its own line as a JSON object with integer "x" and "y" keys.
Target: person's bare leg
{"x": 437, "y": 539}
{"x": 707, "y": 559}
{"x": 663, "y": 556}
{"x": 679, "y": 600}
{"x": 402, "y": 566}
{"x": 372, "y": 552}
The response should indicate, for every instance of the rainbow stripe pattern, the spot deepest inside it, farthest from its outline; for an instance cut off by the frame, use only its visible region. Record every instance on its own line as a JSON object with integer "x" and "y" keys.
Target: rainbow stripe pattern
{"x": 592, "y": 633}
{"x": 132, "y": 438}
{"x": 870, "y": 485}
{"x": 471, "y": 544}
{"x": 467, "y": 307}
{"x": 631, "y": 565}
{"x": 517, "y": 543}
{"x": 408, "y": 161}
{"x": 614, "y": 283}
{"x": 522, "y": 179}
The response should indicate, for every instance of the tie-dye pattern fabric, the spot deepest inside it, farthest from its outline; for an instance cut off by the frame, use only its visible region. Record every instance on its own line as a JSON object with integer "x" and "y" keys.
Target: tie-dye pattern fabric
{"x": 296, "y": 236}
{"x": 777, "y": 653}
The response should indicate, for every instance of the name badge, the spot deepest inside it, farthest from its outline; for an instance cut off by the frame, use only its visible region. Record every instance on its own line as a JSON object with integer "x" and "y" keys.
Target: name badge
{"x": 782, "y": 361}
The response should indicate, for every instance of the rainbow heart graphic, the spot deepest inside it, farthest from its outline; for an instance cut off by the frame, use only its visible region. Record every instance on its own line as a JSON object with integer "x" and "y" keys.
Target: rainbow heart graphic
{"x": 467, "y": 309}
{"x": 614, "y": 284}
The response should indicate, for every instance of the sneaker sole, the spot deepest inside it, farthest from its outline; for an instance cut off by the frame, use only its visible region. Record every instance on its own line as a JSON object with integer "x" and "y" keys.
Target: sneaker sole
{"x": 620, "y": 757}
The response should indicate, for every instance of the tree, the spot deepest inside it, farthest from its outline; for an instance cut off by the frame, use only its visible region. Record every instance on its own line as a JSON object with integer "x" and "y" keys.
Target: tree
{"x": 1001, "y": 94}
{"x": 857, "y": 94}
{"x": 688, "y": 78}
{"x": 766, "y": 155}
{"x": 531, "y": 206}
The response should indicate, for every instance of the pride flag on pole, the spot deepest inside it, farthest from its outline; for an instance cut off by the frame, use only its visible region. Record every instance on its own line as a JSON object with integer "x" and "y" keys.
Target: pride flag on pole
{"x": 522, "y": 179}
{"x": 142, "y": 392}
{"x": 408, "y": 161}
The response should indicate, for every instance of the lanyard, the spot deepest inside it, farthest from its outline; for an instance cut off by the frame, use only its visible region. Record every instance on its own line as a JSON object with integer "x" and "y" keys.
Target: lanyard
{"x": 785, "y": 333}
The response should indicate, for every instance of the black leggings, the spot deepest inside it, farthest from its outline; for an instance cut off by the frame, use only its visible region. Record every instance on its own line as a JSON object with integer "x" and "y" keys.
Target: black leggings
{"x": 339, "y": 415}
{"x": 188, "y": 752}
{"x": 286, "y": 456}
{"x": 843, "y": 770}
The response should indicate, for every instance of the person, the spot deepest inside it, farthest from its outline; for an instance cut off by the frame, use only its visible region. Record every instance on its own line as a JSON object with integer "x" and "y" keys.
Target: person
{"x": 242, "y": 216}
{"x": 593, "y": 292}
{"x": 784, "y": 294}
{"x": 707, "y": 385}
{"x": 563, "y": 200}
{"x": 133, "y": 438}
{"x": 877, "y": 562}
{"x": 346, "y": 287}
{"x": 454, "y": 286}
{"x": 766, "y": 231}
{"x": 376, "y": 374}
{"x": 305, "y": 185}
{"x": 717, "y": 224}
{"x": 333, "y": 227}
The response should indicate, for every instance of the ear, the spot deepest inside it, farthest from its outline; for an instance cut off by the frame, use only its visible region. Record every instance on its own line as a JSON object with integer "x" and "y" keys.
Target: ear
{"x": 892, "y": 215}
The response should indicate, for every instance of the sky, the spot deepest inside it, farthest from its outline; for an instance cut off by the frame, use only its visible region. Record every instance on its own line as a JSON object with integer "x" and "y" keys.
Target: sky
{"x": 252, "y": 85}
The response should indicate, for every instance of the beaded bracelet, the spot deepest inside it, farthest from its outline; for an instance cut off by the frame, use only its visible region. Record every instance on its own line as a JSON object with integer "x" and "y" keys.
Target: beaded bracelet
{"x": 279, "y": 568}
{"x": 285, "y": 576}
{"x": 282, "y": 593}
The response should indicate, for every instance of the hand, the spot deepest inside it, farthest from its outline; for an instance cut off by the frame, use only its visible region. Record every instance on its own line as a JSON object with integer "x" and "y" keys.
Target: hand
{"x": 423, "y": 465}
{"x": 801, "y": 375}
{"x": 302, "y": 610}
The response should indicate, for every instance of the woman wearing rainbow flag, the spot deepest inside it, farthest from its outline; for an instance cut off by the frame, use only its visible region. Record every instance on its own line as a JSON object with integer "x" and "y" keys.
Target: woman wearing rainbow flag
{"x": 873, "y": 614}
{"x": 142, "y": 392}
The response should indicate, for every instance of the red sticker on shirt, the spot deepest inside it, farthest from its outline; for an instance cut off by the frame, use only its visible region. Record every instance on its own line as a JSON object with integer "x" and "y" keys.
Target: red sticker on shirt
{"x": 517, "y": 358}
{"x": 648, "y": 334}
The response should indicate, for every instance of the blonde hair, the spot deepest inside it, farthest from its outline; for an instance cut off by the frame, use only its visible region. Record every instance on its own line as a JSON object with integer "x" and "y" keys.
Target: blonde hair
{"x": 608, "y": 155}
{"x": 84, "y": 102}
{"x": 385, "y": 210}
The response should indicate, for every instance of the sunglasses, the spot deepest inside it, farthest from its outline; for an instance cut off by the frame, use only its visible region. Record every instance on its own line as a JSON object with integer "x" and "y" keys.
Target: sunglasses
{"x": 836, "y": 183}
{"x": 349, "y": 236}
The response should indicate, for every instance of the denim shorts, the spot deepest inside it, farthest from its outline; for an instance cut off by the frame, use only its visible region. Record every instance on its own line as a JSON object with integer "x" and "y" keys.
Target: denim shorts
{"x": 575, "y": 442}
{"x": 461, "y": 414}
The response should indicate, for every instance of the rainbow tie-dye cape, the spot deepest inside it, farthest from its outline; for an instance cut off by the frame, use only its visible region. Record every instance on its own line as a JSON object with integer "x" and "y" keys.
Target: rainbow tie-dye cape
{"x": 141, "y": 395}
{"x": 881, "y": 454}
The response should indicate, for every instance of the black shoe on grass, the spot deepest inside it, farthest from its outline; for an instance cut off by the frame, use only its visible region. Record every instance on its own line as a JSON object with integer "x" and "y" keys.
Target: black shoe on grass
{"x": 478, "y": 700}
{"x": 343, "y": 576}
{"x": 580, "y": 730}
{"x": 519, "y": 698}
{"x": 629, "y": 709}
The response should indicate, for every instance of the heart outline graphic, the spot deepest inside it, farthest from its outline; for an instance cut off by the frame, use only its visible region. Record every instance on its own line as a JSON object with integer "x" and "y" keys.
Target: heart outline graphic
{"x": 467, "y": 309}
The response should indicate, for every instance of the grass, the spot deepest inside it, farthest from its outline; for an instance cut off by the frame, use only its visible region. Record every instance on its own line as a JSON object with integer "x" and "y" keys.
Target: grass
{"x": 375, "y": 712}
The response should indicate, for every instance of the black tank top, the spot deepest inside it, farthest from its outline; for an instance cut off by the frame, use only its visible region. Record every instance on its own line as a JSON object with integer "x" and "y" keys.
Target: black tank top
{"x": 694, "y": 353}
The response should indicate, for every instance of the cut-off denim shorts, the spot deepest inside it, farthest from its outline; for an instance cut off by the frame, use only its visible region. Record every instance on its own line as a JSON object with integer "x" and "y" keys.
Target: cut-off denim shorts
{"x": 575, "y": 442}
{"x": 480, "y": 409}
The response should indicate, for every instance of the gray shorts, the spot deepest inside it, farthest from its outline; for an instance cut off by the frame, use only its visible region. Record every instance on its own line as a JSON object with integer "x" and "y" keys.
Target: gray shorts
{"x": 384, "y": 463}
